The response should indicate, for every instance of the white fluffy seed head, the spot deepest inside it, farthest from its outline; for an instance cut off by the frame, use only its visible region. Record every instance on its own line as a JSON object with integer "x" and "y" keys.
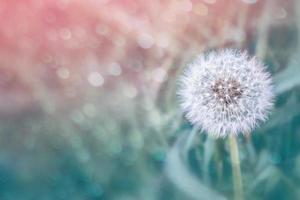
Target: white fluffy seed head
{"x": 226, "y": 92}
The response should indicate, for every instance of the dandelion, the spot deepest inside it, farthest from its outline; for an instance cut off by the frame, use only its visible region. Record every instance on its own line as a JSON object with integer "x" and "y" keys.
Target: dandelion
{"x": 226, "y": 92}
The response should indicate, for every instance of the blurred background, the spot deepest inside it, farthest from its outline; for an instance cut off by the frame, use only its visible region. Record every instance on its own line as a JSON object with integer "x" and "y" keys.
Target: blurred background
{"x": 88, "y": 106}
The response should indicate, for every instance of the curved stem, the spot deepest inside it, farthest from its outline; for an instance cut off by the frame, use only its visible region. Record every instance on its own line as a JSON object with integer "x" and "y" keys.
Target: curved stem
{"x": 236, "y": 170}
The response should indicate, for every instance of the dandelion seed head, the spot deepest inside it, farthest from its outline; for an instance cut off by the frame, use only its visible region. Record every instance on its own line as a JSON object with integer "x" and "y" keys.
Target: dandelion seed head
{"x": 226, "y": 92}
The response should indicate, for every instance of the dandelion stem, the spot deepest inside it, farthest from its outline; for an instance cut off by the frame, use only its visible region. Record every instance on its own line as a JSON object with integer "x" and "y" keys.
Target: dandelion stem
{"x": 236, "y": 170}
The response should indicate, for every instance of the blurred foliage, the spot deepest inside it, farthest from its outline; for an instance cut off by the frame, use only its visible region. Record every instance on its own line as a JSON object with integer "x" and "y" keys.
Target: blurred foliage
{"x": 88, "y": 103}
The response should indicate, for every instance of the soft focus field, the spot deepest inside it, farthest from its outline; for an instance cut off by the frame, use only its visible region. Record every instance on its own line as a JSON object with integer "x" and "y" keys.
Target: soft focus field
{"x": 88, "y": 106}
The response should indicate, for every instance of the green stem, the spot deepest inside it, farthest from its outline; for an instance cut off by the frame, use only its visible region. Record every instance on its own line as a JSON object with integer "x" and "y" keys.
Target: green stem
{"x": 236, "y": 170}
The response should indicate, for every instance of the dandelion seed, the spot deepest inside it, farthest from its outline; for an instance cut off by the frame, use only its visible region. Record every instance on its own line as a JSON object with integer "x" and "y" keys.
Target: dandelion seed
{"x": 238, "y": 97}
